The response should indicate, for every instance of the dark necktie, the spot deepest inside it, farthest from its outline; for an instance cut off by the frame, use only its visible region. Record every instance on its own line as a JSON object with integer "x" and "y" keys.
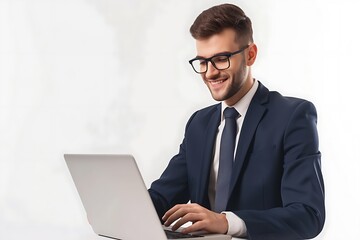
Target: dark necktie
{"x": 226, "y": 159}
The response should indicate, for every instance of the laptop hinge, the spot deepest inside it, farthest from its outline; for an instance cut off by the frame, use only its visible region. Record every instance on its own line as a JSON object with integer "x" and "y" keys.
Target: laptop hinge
{"x": 109, "y": 237}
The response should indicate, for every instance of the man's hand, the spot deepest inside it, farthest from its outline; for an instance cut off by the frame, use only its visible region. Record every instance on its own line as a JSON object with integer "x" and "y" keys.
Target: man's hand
{"x": 202, "y": 219}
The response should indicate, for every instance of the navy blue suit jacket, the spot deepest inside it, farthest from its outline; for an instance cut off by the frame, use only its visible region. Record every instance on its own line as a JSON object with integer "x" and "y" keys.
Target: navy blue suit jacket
{"x": 277, "y": 186}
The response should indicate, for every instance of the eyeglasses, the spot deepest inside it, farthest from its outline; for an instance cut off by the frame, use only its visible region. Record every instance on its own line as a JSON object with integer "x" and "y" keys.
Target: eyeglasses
{"x": 220, "y": 61}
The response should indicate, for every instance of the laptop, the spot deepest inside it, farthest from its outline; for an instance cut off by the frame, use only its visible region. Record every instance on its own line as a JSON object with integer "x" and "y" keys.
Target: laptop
{"x": 116, "y": 200}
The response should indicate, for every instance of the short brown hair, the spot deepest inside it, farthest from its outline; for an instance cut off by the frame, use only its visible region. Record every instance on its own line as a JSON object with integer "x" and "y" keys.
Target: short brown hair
{"x": 216, "y": 19}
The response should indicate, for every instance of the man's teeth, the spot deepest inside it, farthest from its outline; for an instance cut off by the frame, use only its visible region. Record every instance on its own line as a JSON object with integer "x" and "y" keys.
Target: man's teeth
{"x": 217, "y": 81}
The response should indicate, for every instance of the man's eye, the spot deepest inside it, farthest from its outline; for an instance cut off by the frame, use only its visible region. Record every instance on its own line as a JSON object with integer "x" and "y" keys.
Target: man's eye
{"x": 220, "y": 59}
{"x": 202, "y": 62}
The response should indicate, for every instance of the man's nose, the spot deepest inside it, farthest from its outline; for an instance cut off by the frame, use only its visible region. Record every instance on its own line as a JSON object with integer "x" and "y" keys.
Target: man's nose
{"x": 211, "y": 71}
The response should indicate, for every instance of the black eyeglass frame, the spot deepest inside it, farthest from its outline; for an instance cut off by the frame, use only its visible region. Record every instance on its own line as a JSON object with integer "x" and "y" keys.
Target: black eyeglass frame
{"x": 210, "y": 59}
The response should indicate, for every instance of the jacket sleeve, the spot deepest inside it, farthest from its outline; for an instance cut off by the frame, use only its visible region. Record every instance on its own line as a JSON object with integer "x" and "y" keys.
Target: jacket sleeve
{"x": 302, "y": 215}
{"x": 172, "y": 186}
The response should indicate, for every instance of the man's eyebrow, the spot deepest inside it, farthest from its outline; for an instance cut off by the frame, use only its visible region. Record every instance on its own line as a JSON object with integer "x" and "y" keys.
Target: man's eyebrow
{"x": 217, "y": 54}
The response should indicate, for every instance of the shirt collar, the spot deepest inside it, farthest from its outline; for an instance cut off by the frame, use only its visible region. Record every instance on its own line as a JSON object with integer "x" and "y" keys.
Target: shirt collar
{"x": 243, "y": 104}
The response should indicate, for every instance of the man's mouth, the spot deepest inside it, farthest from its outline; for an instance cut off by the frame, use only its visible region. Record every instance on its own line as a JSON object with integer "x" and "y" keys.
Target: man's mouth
{"x": 215, "y": 82}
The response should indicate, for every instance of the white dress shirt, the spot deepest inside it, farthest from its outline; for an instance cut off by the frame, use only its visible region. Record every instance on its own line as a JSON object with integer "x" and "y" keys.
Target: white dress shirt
{"x": 237, "y": 226}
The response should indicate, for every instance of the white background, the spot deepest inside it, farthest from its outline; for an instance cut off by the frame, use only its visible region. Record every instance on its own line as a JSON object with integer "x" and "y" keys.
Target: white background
{"x": 111, "y": 76}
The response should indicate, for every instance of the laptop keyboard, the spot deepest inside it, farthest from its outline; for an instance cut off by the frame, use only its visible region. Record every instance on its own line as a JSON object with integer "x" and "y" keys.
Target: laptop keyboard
{"x": 178, "y": 235}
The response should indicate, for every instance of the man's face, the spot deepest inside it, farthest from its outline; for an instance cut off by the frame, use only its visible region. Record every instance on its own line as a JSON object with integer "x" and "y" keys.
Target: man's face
{"x": 231, "y": 84}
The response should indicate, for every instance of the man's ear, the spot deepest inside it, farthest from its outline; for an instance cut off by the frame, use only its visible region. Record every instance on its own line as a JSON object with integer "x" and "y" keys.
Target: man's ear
{"x": 252, "y": 53}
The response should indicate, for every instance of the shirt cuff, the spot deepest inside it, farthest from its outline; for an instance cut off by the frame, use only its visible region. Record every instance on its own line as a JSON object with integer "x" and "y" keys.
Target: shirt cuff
{"x": 236, "y": 226}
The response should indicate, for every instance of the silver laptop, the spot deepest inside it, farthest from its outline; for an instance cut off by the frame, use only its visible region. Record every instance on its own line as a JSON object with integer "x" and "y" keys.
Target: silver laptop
{"x": 116, "y": 200}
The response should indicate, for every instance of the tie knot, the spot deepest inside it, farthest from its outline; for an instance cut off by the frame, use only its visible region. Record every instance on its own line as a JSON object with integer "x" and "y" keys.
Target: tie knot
{"x": 230, "y": 112}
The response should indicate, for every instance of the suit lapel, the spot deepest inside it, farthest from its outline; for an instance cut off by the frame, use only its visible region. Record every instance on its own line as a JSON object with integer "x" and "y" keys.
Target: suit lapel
{"x": 253, "y": 116}
{"x": 210, "y": 136}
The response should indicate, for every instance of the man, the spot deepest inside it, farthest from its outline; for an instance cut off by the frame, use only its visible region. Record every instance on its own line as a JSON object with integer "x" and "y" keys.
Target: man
{"x": 272, "y": 188}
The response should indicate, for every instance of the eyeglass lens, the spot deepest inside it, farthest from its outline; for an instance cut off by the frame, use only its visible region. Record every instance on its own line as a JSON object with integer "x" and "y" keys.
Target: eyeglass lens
{"x": 219, "y": 62}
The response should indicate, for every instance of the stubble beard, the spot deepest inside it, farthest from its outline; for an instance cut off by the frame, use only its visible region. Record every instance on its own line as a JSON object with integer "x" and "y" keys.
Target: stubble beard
{"x": 237, "y": 81}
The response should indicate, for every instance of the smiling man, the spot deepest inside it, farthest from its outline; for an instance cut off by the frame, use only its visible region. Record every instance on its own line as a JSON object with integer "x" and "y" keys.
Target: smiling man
{"x": 249, "y": 165}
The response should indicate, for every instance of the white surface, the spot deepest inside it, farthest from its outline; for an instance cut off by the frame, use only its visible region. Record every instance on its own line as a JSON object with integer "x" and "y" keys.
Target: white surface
{"x": 55, "y": 233}
{"x": 112, "y": 76}
{"x": 47, "y": 231}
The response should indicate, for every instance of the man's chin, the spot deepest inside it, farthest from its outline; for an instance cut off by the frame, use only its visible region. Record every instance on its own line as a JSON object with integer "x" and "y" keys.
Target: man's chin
{"x": 217, "y": 97}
